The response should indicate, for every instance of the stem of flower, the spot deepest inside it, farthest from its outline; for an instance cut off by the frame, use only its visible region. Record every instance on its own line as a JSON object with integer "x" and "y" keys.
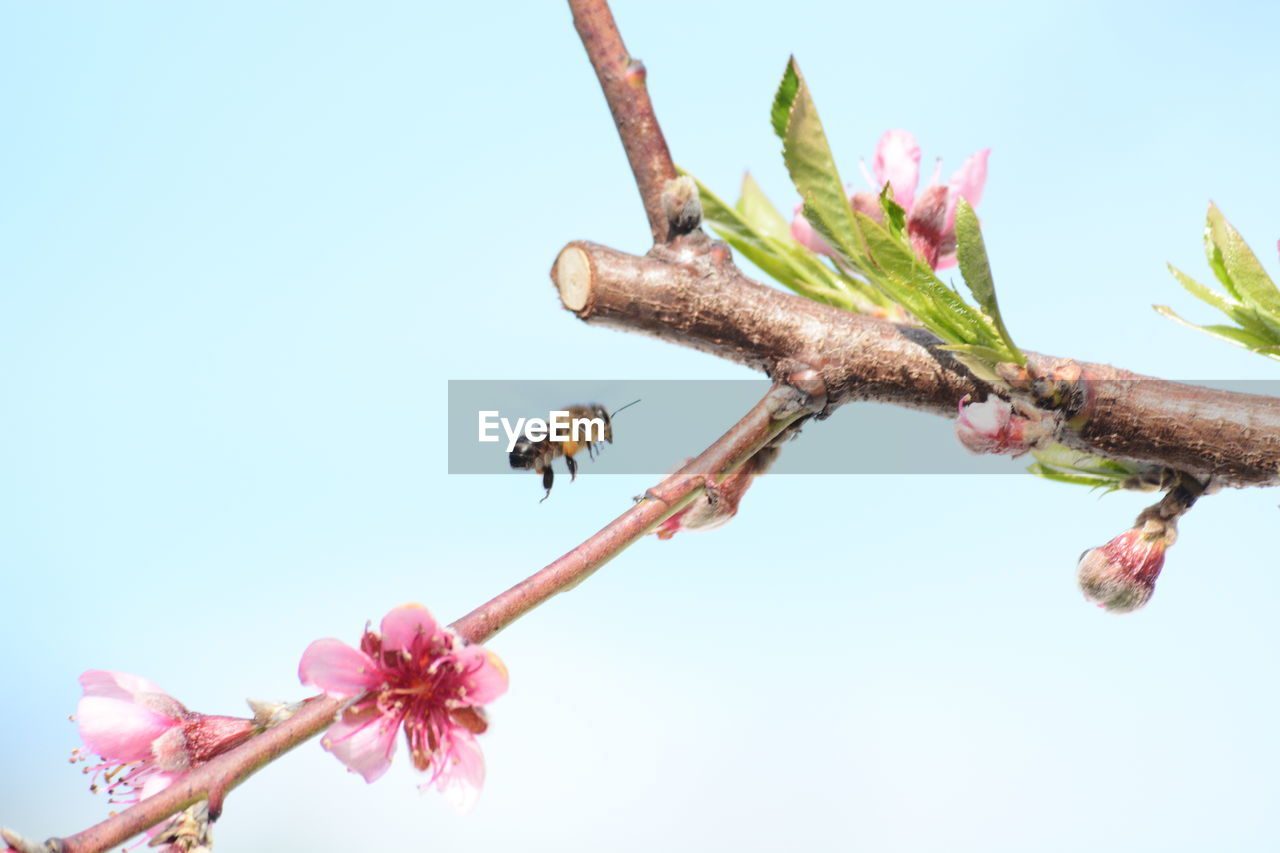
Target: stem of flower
{"x": 781, "y": 407}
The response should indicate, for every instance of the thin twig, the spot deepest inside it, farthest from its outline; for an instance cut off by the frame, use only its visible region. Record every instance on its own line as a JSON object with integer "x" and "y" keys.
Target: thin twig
{"x": 779, "y": 409}
{"x": 623, "y": 80}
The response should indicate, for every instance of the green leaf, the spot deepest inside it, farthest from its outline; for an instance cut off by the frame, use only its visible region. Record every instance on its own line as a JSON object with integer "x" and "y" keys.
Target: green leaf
{"x": 1065, "y": 458}
{"x": 976, "y": 269}
{"x": 783, "y": 259}
{"x": 1230, "y": 334}
{"x": 1249, "y": 282}
{"x": 1206, "y": 294}
{"x": 812, "y": 168}
{"x": 1065, "y": 465}
{"x": 989, "y": 354}
{"x": 1057, "y": 476}
{"x": 786, "y": 96}
{"x": 895, "y": 217}
{"x": 1248, "y": 318}
{"x": 759, "y": 213}
{"x": 755, "y": 246}
{"x": 910, "y": 282}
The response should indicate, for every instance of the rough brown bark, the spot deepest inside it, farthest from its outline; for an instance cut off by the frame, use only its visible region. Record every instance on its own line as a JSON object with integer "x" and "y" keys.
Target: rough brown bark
{"x": 699, "y": 299}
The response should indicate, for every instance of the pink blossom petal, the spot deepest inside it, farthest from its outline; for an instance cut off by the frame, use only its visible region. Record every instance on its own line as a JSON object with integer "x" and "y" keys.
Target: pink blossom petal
{"x": 487, "y": 679}
{"x": 118, "y": 729}
{"x": 338, "y": 669}
{"x": 461, "y": 777}
{"x": 897, "y": 162}
{"x": 116, "y": 685}
{"x": 803, "y": 233}
{"x": 364, "y": 740}
{"x": 157, "y": 782}
{"x": 405, "y": 624}
{"x": 967, "y": 183}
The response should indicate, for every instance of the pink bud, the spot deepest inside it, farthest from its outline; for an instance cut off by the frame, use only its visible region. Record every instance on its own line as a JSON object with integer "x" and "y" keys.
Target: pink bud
{"x": 145, "y": 737}
{"x": 992, "y": 427}
{"x": 803, "y": 233}
{"x": 719, "y": 504}
{"x": 1121, "y": 575}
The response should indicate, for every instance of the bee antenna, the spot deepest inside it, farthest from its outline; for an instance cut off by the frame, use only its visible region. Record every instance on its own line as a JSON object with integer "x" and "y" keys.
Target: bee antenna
{"x": 614, "y": 414}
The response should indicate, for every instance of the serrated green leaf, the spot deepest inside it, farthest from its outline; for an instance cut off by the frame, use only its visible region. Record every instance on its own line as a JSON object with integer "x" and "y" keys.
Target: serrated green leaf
{"x": 785, "y": 97}
{"x": 971, "y": 252}
{"x": 910, "y": 282}
{"x": 1252, "y": 284}
{"x": 812, "y": 167}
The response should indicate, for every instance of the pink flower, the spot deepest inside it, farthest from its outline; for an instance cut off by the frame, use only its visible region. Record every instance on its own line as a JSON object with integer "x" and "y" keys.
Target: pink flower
{"x": 146, "y": 738}
{"x": 931, "y": 213}
{"x": 1121, "y": 575}
{"x": 992, "y": 427}
{"x": 418, "y": 674}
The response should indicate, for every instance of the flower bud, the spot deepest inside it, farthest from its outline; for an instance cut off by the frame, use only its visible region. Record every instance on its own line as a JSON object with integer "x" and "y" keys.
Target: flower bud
{"x": 992, "y": 427}
{"x": 719, "y": 504}
{"x": 681, "y": 205}
{"x": 802, "y": 232}
{"x": 1121, "y": 575}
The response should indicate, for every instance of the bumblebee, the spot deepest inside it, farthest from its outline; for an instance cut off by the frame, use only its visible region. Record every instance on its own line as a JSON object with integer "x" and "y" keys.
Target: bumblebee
{"x": 588, "y": 426}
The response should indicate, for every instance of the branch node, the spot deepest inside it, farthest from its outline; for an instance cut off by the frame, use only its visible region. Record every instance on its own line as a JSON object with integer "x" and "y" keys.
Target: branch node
{"x": 806, "y": 382}
{"x": 681, "y": 206}
{"x": 636, "y": 73}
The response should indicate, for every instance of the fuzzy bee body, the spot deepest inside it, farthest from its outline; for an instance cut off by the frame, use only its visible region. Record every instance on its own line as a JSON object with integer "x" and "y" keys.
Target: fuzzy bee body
{"x": 585, "y": 433}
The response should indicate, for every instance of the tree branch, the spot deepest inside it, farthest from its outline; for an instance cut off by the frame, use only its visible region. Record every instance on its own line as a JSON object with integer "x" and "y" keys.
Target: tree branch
{"x": 623, "y": 81}
{"x": 699, "y": 299}
{"x": 781, "y": 407}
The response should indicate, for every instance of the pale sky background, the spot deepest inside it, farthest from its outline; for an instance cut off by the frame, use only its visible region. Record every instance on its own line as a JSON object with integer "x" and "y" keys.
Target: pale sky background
{"x": 243, "y": 246}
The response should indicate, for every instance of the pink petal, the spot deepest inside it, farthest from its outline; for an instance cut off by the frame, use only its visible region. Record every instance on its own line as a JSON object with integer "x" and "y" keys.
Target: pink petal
{"x": 405, "y": 624}
{"x": 461, "y": 776}
{"x": 488, "y": 675}
{"x": 119, "y": 730}
{"x": 897, "y": 162}
{"x": 157, "y": 782}
{"x": 338, "y": 669}
{"x": 364, "y": 740}
{"x": 967, "y": 183}
{"x": 802, "y": 232}
{"x": 116, "y": 685}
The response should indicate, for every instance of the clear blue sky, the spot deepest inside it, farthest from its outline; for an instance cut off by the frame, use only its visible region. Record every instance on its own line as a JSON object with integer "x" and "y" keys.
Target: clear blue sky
{"x": 244, "y": 246}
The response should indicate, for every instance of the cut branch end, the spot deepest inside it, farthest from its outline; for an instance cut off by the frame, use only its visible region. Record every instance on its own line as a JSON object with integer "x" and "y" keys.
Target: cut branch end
{"x": 574, "y": 277}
